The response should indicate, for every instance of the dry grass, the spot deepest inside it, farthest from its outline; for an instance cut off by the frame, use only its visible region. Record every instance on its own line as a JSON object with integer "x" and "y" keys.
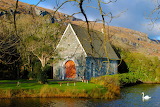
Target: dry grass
{"x": 48, "y": 91}
{"x": 111, "y": 83}
{"x": 14, "y": 93}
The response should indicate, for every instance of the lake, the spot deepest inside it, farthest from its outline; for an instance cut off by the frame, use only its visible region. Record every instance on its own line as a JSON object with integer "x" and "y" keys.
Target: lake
{"x": 130, "y": 97}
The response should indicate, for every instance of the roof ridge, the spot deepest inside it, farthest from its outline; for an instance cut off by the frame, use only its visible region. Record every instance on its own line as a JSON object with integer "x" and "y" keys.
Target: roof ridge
{"x": 97, "y": 41}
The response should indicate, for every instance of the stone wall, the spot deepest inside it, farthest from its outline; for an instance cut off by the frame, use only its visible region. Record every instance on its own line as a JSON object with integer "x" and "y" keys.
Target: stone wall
{"x": 69, "y": 48}
{"x": 99, "y": 66}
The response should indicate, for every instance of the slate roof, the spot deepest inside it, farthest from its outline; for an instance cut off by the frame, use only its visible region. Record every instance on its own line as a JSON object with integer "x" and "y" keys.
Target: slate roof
{"x": 96, "y": 49}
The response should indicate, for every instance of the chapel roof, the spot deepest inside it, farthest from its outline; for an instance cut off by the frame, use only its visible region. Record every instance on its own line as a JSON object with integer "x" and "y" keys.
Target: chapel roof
{"x": 93, "y": 44}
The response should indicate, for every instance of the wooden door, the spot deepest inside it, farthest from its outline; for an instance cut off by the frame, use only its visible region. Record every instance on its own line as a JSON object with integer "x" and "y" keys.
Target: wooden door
{"x": 70, "y": 69}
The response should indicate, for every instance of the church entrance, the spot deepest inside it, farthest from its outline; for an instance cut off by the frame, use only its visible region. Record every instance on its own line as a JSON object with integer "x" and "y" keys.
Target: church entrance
{"x": 70, "y": 69}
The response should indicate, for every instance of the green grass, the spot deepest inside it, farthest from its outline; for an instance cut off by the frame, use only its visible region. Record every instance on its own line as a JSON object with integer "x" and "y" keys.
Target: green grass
{"x": 9, "y": 89}
{"x": 30, "y": 84}
{"x": 24, "y": 84}
{"x": 21, "y": 86}
{"x": 21, "y": 80}
{"x": 78, "y": 85}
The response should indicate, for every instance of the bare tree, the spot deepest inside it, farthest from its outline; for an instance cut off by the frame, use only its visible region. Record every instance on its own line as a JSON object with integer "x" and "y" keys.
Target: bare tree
{"x": 154, "y": 16}
{"x": 36, "y": 41}
{"x": 9, "y": 38}
{"x": 105, "y": 24}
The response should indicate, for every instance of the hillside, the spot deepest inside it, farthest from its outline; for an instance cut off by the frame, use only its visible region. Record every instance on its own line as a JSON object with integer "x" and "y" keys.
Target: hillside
{"x": 7, "y": 7}
{"x": 131, "y": 40}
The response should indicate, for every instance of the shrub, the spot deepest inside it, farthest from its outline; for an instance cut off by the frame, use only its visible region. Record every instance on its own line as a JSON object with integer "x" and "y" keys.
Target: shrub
{"x": 38, "y": 72}
{"x": 31, "y": 75}
{"x": 41, "y": 77}
{"x": 142, "y": 66}
{"x": 157, "y": 70}
{"x": 128, "y": 78}
{"x": 111, "y": 82}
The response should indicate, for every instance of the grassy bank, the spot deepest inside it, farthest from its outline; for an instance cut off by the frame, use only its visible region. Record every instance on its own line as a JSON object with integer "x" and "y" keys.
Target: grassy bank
{"x": 9, "y": 89}
{"x": 111, "y": 82}
{"x": 105, "y": 87}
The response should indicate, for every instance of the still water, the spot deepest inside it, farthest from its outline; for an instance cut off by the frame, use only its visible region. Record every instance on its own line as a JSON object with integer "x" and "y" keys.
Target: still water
{"x": 130, "y": 97}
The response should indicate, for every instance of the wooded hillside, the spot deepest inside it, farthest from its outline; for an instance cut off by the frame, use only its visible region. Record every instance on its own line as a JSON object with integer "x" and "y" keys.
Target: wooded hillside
{"x": 28, "y": 41}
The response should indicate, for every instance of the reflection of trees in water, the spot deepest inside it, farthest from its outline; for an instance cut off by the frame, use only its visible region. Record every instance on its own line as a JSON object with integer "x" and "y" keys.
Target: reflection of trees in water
{"x": 5, "y": 103}
{"x": 65, "y": 102}
{"x": 20, "y": 102}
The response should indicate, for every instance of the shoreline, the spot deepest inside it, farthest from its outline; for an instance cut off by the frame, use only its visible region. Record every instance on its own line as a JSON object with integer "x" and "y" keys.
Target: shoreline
{"x": 52, "y": 93}
{"x": 54, "y": 90}
{"x": 58, "y": 89}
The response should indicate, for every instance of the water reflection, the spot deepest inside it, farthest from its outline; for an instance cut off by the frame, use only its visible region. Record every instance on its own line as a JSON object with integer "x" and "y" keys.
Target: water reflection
{"x": 130, "y": 97}
{"x": 66, "y": 102}
{"x": 20, "y": 102}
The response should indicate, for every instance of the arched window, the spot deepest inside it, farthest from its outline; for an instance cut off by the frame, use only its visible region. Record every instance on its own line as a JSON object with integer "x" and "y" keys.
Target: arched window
{"x": 92, "y": 70}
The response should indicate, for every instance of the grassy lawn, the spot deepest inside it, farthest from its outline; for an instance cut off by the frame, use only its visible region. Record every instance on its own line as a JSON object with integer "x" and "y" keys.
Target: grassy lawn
{"x": 31, "y": 84}
{"x": 23, "y": 80}
{"x": 27, "y": 88}
{"x": 78, "y": 85}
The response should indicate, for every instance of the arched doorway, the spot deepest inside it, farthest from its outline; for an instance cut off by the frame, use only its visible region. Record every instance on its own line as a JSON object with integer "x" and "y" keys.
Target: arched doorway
{"x": 70, "y": 69}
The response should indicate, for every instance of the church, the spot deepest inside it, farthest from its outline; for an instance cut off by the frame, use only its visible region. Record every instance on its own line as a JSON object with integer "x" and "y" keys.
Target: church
{"x": 82, "y": 55}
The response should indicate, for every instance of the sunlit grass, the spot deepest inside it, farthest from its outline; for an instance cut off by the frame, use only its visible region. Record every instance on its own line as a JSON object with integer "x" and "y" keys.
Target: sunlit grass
{"x": 21, "y": 86}
{"x": 30, "y": 84}
{"x": 74, "y": 89}
{"x": 24, "y": 84}
{"x": 21, "y": 80}
{"x": 77, "y": 85}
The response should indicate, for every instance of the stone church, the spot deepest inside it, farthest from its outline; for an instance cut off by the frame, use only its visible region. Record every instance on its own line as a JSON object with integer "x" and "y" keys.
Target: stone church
{"x": 82, "y": 56}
